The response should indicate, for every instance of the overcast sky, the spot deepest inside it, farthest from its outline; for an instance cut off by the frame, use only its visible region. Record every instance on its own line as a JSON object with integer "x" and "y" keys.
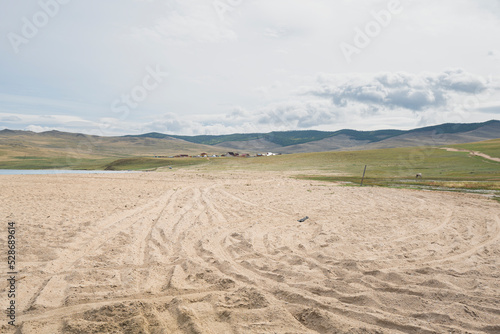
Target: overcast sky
{"x": 223, "y": 66}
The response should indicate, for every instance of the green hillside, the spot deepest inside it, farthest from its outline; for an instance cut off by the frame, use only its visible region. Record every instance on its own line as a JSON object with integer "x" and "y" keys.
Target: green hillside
{"x": 490, "y": 147}
{"x": 56, "y": 150}
{"x": 283, "y": 138}
{"x": 454, "y": 127}
{"x": 289, "y": 138}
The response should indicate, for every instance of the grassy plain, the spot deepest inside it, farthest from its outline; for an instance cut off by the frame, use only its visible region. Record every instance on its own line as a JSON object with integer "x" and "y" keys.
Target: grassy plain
{"x": 490, "y": 147}
{"x": 398, "y": 167}
{"x": 395, "y": 167}
{"x": 152, "y": 163}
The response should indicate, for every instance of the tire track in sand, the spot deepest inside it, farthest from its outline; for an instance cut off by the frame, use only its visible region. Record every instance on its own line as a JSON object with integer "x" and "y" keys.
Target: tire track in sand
{"x": 112, "y": 226}
{"x": 199, "y": 237}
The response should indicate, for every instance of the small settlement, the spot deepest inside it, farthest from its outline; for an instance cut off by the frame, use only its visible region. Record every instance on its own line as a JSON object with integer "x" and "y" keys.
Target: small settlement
{"x": 228, "y": 154}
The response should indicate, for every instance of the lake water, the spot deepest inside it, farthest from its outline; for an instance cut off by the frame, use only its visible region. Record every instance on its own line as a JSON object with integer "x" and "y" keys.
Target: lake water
{"x": 55, "y": 171}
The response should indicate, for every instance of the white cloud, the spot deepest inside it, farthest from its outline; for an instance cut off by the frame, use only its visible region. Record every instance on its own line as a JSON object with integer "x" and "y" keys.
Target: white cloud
{"x": 188, "y": 22}
{"x": 415, "y": 92}
{"x": 38, "y": 128}
{"x": 243, "y": 72}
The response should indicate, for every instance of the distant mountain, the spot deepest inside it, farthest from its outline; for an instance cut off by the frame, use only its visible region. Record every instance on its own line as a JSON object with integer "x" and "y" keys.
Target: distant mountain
{"x": 16, "y": 144}
{"x": 320, "y": 141}
{"x": 281, "y": 138}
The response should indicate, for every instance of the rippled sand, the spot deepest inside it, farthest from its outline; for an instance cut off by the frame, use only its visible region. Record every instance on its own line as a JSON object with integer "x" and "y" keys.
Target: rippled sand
{"x": 180, "y": 252}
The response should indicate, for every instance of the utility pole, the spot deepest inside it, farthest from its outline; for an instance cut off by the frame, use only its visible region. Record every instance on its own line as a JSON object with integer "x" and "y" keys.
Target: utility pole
{"x": 363, "y": 176}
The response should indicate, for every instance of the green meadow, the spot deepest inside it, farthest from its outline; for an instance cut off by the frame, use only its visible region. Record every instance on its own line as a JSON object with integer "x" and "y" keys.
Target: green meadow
{"x": 152, "y": 163}
{"x": 490, "y": 147}
{"x": 396, "y": 167}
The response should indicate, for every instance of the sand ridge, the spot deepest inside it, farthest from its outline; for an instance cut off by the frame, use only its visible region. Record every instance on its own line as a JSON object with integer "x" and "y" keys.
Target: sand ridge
{"x": 187, "y": 252}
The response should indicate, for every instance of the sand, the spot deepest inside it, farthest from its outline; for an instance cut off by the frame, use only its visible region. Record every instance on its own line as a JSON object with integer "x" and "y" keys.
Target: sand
{"x": 185, "y": 252}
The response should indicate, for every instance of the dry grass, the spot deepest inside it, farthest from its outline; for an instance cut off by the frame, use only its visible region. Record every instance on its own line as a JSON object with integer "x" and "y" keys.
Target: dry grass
{"x": 488, "y": 185}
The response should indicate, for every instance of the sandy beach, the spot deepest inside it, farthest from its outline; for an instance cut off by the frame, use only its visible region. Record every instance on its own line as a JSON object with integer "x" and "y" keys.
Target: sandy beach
{"x": 187, "y": 252}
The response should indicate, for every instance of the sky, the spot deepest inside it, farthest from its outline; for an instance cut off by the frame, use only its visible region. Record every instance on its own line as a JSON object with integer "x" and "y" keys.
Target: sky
{"x": 192, "y": 67}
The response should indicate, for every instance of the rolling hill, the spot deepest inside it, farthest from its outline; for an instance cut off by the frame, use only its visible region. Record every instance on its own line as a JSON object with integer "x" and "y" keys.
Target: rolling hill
{"x": 55, "y": 149}
{"x": 321, "y": 141}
